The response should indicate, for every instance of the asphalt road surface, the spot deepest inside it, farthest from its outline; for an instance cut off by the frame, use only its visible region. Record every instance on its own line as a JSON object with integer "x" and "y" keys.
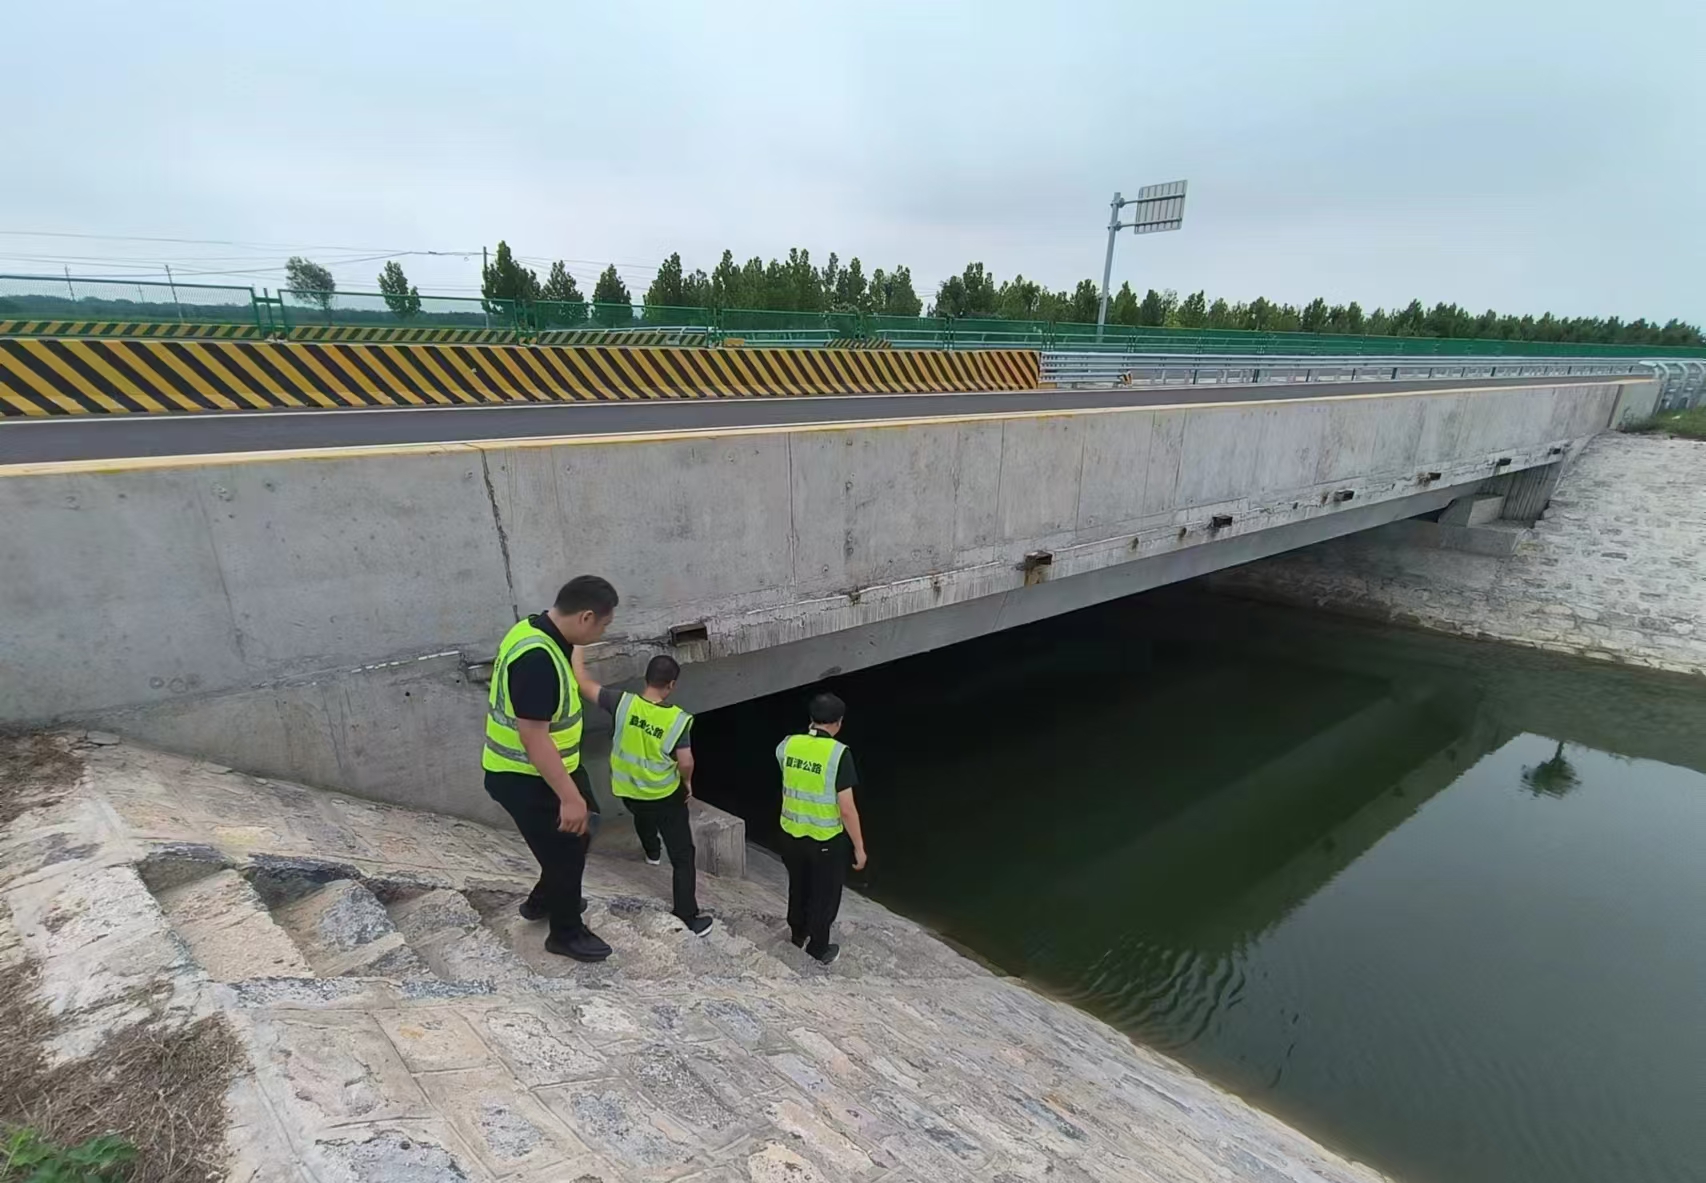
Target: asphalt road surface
{"x": 24, "y": 441}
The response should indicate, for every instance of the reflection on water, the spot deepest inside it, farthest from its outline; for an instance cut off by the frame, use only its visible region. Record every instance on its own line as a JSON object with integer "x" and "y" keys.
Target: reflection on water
{"x": 1397, "y": 889}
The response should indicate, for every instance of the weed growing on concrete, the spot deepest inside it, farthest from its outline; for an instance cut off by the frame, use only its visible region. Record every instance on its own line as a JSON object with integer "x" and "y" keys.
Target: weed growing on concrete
{"x": 1689, "y": 424}
{"x": 34, "y": 771}
{"x": 30, "y": 1158}
{"x": 155, "y": 1087}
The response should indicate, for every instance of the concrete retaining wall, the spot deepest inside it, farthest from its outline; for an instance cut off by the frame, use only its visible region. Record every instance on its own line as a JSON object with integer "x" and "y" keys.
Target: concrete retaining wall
{"x": 1640, "y": 400}
{"x": 315, "y": 615}
{"x": 1615, "y": 569}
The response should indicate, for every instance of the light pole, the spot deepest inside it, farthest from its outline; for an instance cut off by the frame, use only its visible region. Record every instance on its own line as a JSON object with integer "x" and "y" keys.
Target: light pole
{"x": 1159, "y": 207}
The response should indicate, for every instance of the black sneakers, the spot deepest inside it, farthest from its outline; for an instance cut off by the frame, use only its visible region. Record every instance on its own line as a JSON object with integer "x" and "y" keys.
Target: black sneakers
{"x": 699, "y": 925}
{"x": 532, "y": 909}
{"x": 828, "y": 956}
{"x": 582, "y": 946}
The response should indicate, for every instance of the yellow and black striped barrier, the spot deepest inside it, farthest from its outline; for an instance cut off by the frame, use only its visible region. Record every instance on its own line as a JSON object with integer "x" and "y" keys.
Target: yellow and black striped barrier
{"x": 390, "y": 335}
{"x": 128, "y": 328}
{"x": 386, "y": 334}
{"x": 41, "y": 376}
{"x": 693, "y": 338}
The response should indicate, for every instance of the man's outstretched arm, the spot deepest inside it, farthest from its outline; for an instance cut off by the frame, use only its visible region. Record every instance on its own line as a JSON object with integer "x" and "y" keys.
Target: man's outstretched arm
{"x": 577, "y": 663}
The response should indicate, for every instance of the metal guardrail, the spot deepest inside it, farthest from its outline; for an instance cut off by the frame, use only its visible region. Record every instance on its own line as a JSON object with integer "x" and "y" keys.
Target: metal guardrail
{"x": 1155, "y": 369}
{"x": 1682, "y": 383}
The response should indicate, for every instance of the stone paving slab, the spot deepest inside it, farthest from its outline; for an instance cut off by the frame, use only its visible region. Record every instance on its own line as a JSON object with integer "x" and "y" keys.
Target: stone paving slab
{"x": 383, "y": 1051}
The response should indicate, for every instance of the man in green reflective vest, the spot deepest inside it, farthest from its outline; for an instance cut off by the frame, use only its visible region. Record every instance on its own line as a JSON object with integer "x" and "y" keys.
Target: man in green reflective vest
{"x": 532, "y": 754}
{"x": 820, "y": 825}
{"x": 651, "y": 769}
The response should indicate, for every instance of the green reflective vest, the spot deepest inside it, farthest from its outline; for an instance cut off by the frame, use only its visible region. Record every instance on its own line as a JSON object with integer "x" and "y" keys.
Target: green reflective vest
{"x": 809, "y": 807}
{"x": 503, "y": 752}
{"x": 642, "y": 762}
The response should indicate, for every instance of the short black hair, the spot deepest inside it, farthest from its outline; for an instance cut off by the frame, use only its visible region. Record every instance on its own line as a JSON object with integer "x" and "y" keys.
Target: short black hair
{"x": 662, "y": 670}
{"x": 586, "y": 593}
{"x": 826, "y": 708}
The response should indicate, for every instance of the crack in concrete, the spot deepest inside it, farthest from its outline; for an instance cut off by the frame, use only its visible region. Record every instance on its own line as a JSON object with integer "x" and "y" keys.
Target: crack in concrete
{"x": 503, "y": 535}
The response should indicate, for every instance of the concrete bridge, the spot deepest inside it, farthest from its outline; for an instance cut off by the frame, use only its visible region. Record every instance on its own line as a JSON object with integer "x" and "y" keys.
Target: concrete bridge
{"x": 324, "y": 611}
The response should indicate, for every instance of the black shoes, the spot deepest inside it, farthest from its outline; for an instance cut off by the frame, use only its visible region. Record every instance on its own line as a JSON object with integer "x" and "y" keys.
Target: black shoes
{"x": 532, "y": 909}
{"x": 829, "y": 954}
{"x": 699, "y": 925}
{"x": 654, "y": 857}
{"x": 582, "y": 946}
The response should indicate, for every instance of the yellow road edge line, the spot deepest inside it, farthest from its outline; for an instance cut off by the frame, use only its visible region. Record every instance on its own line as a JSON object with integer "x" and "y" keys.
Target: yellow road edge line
{"x": 443, "y": 447}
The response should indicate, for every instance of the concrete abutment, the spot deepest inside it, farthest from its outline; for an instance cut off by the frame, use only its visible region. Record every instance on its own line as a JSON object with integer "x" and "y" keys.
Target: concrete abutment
{"x": 324, "y": 616}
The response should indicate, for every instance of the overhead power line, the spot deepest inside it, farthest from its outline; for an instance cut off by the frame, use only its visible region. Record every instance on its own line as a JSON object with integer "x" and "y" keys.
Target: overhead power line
{"x": 274, "y": 246}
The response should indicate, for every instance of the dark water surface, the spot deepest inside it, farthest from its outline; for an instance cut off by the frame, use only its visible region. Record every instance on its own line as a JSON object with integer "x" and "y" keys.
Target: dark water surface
{"x": 1441, "y": 904}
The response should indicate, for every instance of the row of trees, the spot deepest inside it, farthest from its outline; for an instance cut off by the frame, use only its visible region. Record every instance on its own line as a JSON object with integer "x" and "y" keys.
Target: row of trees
{"x": 505, "y": 278}
{"x": 975, "y": 293}
{"x": 796, "y": 284}
{"x": 793, "y": 284}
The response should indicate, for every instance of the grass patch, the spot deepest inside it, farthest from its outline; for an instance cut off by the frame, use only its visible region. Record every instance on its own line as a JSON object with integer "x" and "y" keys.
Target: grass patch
{"x": 148, "y": 1105}
{"x": 1689, "y": 424}
{"x": 30, "y": 1158}
{"x": 34, "y": 771}
{"x": 154, "y": 1088}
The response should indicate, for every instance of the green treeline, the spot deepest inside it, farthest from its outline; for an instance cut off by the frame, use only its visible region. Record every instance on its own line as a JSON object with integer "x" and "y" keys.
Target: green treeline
{"x": 975, "y": 293}
{"x": 793, "y": 284}
{"x": 796, "y": 284}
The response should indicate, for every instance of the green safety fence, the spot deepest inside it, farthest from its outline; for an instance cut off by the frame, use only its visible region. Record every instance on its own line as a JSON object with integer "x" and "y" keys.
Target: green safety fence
{"x": 60, "y": 305}
{"x": 118, "y": 307}
{"x": 299, "y": 315}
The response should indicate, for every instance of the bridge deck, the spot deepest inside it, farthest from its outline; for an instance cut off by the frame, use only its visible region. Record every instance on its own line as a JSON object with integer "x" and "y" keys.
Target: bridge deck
{"x": 109, "y": 437}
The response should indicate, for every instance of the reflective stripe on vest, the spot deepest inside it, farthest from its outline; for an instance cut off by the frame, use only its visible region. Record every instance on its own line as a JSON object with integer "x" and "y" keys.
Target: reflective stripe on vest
{"x": 642, "y": 764}
{"x": 809, "y": 806}
{"x": 503, "y": 751}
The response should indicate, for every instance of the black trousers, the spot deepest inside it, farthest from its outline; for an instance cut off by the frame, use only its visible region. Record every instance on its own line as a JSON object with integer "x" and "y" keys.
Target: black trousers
{"x": 817, "y": 870}
{"x": 562, "y": 857}
{"x": 664, "y": 822}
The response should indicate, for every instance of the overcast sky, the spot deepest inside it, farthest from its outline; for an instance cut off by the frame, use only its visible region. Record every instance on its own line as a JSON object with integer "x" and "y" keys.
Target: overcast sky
{"x": 1528, "y": 155}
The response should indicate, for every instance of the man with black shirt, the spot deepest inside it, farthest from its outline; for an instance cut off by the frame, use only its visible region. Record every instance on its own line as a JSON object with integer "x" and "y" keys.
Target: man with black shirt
{"x": 820, "y": 825}
{"x": 651, "y": 770}
{"x": 532, "y": 754}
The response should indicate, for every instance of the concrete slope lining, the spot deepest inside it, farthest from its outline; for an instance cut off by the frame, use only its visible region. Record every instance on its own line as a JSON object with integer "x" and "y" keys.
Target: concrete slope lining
{"x": 44, "y": 377}
{"x": 395, "y": 1019}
